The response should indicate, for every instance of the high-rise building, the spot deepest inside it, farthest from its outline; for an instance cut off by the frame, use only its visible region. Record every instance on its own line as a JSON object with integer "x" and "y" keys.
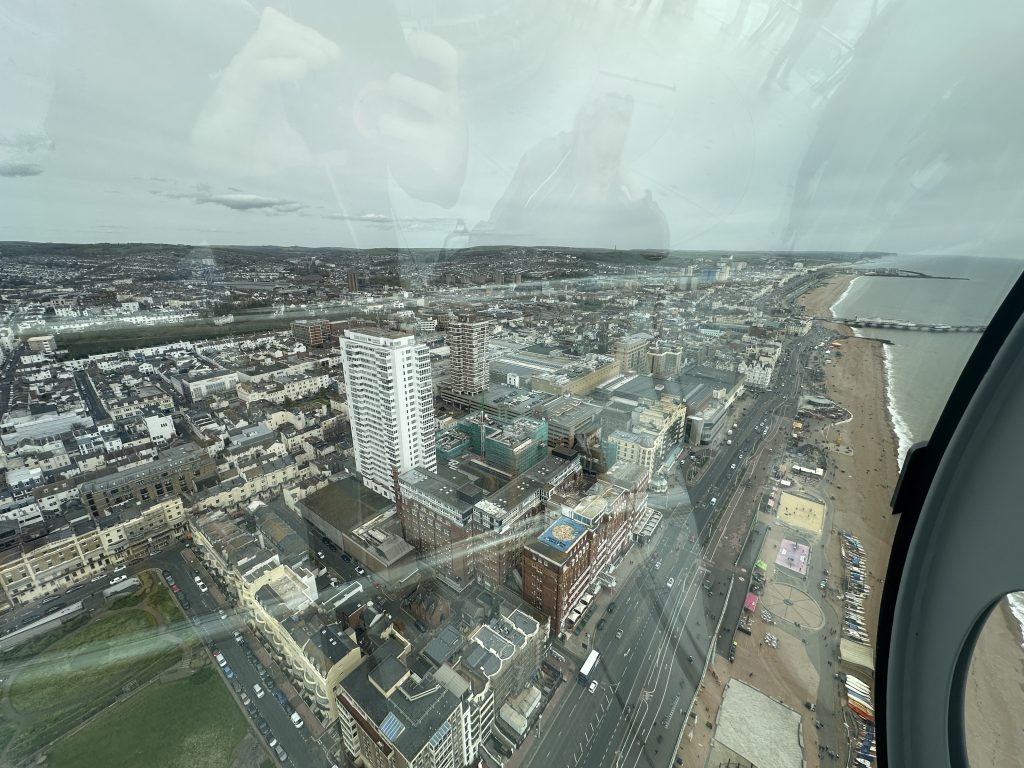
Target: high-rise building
{"x": 467, "y": 338}
{"x": 352, "y": 279}
{"x": 390, "y": 405}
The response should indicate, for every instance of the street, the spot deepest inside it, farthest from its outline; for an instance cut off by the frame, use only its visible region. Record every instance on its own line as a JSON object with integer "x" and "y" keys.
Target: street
{"x": 216, "y": 633}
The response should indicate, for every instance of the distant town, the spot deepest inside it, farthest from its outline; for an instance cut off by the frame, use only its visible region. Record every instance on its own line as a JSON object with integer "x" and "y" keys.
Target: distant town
{"x": 494, "y": 506}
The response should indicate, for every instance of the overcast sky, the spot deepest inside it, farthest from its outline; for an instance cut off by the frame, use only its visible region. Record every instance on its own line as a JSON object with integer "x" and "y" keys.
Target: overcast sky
{"x": 745, "y": 124}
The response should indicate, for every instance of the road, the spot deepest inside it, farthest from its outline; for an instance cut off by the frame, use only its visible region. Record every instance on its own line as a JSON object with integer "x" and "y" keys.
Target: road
{"x": 216, "y": 633}
{"x": 7, "y": 379}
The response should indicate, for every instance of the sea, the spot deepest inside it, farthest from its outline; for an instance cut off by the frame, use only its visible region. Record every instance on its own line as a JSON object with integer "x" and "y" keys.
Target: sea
{"x": 922, "y": 368}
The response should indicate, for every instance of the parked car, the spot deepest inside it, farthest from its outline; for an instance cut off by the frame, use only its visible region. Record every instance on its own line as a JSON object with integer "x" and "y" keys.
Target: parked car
{"x": 219, "y": 658}
{"x": 297, "y": 720}
{"x": 618, "y": 634}
{"x": 281, "y": 698}
{"x": 258, "y": 690}
{"x": 245, "y": 698}
{"x": 281, "y": 754}
{"x": 118, "y": 580}
{"x": 669, "y": 583}
{"x": 601, "y": 624}
{"x": 120, "y": 568}
{"x": 228, "y": 672}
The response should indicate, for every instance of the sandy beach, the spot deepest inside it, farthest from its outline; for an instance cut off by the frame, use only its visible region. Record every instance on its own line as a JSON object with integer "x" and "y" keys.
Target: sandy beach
{"x": 862, "y": 489}
{"x": 863, "y": 457}
{"x": 864, "y": 450}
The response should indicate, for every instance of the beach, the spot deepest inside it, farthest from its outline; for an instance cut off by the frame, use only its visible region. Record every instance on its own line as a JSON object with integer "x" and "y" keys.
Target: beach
{"x": 862, "y": 488}
{"x": 863, "y": 451}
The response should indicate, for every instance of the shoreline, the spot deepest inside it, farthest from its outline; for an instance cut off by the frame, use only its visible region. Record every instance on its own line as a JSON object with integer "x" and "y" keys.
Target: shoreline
{"x": 994, "y": 692}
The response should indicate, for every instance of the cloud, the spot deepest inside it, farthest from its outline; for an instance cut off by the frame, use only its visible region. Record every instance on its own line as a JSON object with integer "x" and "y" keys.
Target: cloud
{"x": 237, "y": 200}
{"x": 15, "y": 170}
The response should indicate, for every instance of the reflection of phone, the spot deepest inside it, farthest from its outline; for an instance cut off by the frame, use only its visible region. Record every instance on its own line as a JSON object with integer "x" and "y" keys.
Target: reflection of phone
{"x": 372, "y": 43}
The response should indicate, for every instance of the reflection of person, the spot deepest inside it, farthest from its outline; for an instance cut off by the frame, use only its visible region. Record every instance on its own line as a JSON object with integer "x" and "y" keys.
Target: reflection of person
{"x": 347, "y": 92}
{"x": 573, "y": 188}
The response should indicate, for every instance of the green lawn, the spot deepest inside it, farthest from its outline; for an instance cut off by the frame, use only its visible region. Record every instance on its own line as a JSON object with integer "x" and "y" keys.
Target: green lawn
{"x": 188, "y": 723}
{"x": 101, "y": 657}
{"x": 85, "y": 671}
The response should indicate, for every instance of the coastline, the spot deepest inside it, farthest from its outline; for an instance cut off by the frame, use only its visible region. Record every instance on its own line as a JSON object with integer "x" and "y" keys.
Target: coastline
{"x": 861, "y": 380}
{"x": 899, "y": 427}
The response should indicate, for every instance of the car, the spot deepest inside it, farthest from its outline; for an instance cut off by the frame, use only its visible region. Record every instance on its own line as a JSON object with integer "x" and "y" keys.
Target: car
{"x": 360, "y": 570}
{"x": 611, "y": 607}
{"x": 197, "y": 579}
{"x": 332, "y": 546}
{"x": 593, "y": 686}
{"x": 222, "y": 613}
{"x": 618, "y": 634}
{"x": 236, "y": 687}
{"x": 732, "y": 467}
{"x": 175, "y": 588}
{"x": 228, "y": 672}
{"x": 669, "y": 583}
{"x": 320, "y": 554}
{"x": 325, "y": 540}
{"x": 245, "y": 698}
{"x": 120, "y": 568}
{"x": 258, "y": 690}
{"x": 345, "y": 557}
{"x": 170, "y": 580}
{"x": 657, "y": 565}
{"x": 297, "y": 720}
{"x": 238, "y": 636}
{"x": 202, "y": 587}
{"x": 264, "y": 672}
{"x": 281, "y": 754}
{"x": 219, "y": 658}
{"x": 420, "y": 625}
{"x": 271, "y": 740}
{"x": 263, "y": 728}
{"x": 281, "y": 698}
{"x": 251, "y": 709}
{"x": 184, "y": 602}
{"x": 166, "y": 574}
{"x": 602, "y": 623}
{"x": 118, "y": 579}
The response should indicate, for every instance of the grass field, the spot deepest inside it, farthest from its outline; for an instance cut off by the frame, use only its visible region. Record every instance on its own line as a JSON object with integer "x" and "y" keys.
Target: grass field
{"x": 75, "y": 674}
{"x": 187, "y": 723}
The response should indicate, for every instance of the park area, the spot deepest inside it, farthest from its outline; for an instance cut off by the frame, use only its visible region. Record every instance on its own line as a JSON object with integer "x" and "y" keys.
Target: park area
{"x": 126, "y": 685}
{"x": 189, "y": 722}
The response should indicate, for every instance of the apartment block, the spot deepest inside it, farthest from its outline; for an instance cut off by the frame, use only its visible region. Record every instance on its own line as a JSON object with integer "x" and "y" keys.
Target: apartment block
{"x": 467, "y": 338}
{"x": 391, "y": 405}
{"x": 178, "y": 470}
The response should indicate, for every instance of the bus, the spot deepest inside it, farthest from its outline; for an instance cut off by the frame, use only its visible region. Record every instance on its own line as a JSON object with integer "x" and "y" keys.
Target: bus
{"x": 587, "y": 670}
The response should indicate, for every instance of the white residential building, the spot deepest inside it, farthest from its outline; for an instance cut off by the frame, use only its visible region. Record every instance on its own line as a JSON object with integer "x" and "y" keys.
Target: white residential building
{"x": 391, "y": 405}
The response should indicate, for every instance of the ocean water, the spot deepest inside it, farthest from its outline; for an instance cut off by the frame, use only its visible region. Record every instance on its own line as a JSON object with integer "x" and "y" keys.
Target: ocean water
{"x": 922, "y": 368}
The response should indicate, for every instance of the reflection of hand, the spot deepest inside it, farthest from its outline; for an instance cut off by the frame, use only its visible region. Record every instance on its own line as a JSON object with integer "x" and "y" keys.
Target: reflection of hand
{"x": 243, "y": 126}
{"x": 420, "y": 125}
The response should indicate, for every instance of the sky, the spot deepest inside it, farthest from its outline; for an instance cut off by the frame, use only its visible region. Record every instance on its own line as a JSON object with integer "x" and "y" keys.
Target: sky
{"x": 664, "y": 124}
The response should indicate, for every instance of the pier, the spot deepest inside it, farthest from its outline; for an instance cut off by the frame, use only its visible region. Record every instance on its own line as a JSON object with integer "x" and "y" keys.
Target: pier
{"x": 903, "y": 325}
